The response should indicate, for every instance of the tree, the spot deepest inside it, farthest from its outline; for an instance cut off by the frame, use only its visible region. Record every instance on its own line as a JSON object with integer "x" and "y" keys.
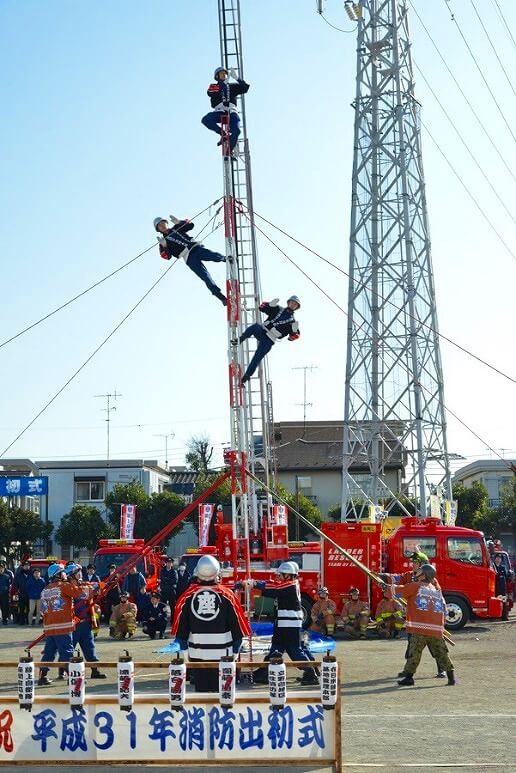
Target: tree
{"x": 131, "y": 493}
{"x": 82, "y": 527}
{"x": 22, "y": 526}
{"x": 502, "y": 518}
{"x": 200, "y": 452}
{"x": 296, "y": 528}
{"x": 472, "y": 503}
{"x": 159, "y": 510}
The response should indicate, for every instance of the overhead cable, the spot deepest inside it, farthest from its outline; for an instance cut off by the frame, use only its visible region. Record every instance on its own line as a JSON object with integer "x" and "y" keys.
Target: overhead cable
{"x": 493, "y": 48}
{"x": 364, "y": 284}
{"x": 466, "y": 99}
{"x": 95, "y": 284}
{"x": 466, "y": 146}
{"x": 504, "y": 22}
{"x": 412, "y": 375}
{"x": 481, "y": 73}
{"x": 88, "y": 359}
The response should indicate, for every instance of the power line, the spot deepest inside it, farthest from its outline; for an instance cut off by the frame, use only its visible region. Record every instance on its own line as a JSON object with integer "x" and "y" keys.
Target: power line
{"x": 91, "y": 356}
{"x": 493, "y": 48}
{"x": 364, "y": 284}
{"x": 508, "y": 29}
{"x": 465, "y": 144}
{"x": 465, "y": 97}
{"x": 488, "y": 87}
{"x": 97, "y": 283}
{"x": 422, "y": 386}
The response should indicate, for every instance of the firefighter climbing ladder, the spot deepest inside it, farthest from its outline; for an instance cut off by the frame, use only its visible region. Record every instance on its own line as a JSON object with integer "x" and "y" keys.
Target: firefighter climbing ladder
{"x": 251, "y": 424}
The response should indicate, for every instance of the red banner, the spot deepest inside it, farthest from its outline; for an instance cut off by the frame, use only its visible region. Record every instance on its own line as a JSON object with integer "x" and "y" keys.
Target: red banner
{"x": 127, "y": 520}
{"x": 205, "y": 515}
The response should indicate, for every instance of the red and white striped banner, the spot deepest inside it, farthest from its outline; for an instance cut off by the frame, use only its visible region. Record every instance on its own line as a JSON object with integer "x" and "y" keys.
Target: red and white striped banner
{"x": 127, "y": 520}
{"x": 205, "y": 515}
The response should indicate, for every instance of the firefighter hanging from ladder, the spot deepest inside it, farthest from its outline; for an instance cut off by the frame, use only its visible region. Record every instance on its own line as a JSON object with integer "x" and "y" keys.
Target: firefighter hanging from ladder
{"x": 175, "y": 242}
{"x": 223, "y": 97}
{"x": 280, "y": 322}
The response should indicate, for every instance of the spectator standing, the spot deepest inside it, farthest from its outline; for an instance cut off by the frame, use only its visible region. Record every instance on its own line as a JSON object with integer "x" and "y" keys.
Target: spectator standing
{"x": 20, "y": 583}
{"x": 6, "y": 580}
{"x": 90, "y": 575}
{"x": 168, "y": 585}
{"x": 113, "y": 594}
{"x": 183, "y": 579}
{"x": 35, "y": 585}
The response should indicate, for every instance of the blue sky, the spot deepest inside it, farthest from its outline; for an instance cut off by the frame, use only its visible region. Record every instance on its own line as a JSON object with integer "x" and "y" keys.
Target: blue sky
{"x": 101, "y": 132}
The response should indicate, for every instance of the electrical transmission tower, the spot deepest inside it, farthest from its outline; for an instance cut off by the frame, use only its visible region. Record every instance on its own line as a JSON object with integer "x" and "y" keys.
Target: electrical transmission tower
{"x": 394, "y": 417}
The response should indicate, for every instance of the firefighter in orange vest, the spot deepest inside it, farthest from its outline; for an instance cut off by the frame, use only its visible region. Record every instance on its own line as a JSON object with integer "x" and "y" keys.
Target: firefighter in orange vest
{"x": 355, "y": 615}
{"x": 58, "y": 623}
{"x": 389, "y": 618}
{"x": 426, "y": 610}
{"x": 323, "y": 614}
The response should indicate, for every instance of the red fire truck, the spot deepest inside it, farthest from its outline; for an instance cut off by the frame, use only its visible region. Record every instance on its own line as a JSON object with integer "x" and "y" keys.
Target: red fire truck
{"x": 459, "y": 555}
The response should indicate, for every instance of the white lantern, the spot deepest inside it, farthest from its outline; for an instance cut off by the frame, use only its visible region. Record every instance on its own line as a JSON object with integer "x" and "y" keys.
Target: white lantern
{"x": 26, "y": 682}
{"x": 329, "y": 676}
{"x": 177, "y": 683}
{"x": 125, "y": 674}
{"x": 277, "y": 683}
{"x": 76, "y": 681}
{"x": 227, "y": 680}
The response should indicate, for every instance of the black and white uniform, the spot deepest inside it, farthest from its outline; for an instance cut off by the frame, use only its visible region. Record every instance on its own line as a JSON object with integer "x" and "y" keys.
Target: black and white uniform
{"x": 288, "y": 622}
{"x": 210, "y": 623}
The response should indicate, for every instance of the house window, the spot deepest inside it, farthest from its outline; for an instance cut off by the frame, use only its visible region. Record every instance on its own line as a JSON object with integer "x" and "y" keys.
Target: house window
{"x": 90, "y": 490}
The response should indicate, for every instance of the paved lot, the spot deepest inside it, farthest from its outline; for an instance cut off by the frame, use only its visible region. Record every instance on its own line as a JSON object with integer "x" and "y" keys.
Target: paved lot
{"x": 469, "y": 727}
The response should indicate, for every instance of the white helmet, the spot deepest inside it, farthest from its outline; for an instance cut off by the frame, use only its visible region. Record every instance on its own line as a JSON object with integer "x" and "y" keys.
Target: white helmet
{"x": 295, "y": 299}
{"x": 158, "y": 220}
{"x": 207, "y": 568}
{"x": 288, "y": 567}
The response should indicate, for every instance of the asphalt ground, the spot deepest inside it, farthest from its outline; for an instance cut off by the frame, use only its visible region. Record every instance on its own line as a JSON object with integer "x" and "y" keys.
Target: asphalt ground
{"x": 468, "y": 727}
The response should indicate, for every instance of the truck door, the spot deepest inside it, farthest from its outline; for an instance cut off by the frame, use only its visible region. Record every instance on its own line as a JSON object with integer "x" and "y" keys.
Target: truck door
{"x": 467, "y": 574}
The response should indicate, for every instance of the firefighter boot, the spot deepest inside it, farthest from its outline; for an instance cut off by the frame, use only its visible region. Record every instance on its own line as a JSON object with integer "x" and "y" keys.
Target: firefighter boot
{"x": 309, "y": 677}
{"x": 407, "y": 681}
{"x": 261, "y": 676}
{"x": 451, "y": 677}
{"x": 43, "y": 680}
{"x": 96, "y": 674}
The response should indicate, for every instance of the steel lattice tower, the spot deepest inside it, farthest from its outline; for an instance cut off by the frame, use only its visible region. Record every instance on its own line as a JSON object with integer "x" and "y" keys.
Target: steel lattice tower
{"x": 394, "y": 412}
{"x": 251, "y": 425}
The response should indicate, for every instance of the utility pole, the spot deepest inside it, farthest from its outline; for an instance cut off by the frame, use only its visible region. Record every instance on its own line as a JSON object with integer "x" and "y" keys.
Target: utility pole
{"x": 394, "y": 415}
{"x": 108, "y": 398}
{"x": 305, "y": 404}
{"x": 166, "y": 435}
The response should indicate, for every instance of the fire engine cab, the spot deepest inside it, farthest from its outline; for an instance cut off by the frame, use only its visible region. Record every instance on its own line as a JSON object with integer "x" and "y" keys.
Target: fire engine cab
{"x": 459, "y": 555}
{"x": 117, "y": 551}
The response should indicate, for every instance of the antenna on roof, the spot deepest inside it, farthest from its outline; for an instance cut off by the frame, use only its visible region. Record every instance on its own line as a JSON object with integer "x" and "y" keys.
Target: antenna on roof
{"x": 305, "y": 404}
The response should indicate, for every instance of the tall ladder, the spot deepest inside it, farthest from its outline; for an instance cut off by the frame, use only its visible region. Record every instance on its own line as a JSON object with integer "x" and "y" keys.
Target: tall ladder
{"x": 251, "y": 427}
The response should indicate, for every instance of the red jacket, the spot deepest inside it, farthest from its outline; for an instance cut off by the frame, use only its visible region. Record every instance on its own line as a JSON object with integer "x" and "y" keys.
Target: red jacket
{"x": 426, "y": 608}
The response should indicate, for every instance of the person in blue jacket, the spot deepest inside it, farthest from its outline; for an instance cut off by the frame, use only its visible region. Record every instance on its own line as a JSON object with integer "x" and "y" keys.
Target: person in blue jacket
{"x": 280, "y": 323}
{"x": 34, "y": 587}
{"x": 175, "y": 243}
{"x": 223, "y": 99}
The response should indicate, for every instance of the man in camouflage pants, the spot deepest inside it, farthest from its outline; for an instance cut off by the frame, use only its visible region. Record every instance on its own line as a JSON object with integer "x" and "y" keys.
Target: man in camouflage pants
{"x": 426, "y": 610}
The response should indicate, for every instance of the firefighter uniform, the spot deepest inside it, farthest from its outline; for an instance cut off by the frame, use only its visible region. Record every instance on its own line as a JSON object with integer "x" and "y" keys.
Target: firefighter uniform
{"x": 210, "y": 622}
{"x": 122, "y": 622}
{"x": 355, "y": 615}
{"x": 389, "y": 618}
{"x": 58, "y": 624}
{"x": 86, "y": 621}
{"x": 323, "y": 616}
{"x": 288, "y": 625}
{"x": 426, "y": 611}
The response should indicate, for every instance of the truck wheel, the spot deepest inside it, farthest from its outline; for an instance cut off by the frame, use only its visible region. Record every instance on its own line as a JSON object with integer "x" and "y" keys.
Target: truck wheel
{"x": 457, "y": 613}
{"x": 306, "y": 606}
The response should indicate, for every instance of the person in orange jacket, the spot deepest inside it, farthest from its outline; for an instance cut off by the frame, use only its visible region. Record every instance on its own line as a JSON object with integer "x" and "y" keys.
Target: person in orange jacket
{"x": 58, "y": 620}
{"x": 323, "y": 614}
{"x": 426, "y": 611}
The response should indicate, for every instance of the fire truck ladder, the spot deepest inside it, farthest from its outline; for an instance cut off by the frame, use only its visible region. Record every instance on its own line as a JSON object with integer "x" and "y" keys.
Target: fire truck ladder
{"x": 250, "y": 427}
